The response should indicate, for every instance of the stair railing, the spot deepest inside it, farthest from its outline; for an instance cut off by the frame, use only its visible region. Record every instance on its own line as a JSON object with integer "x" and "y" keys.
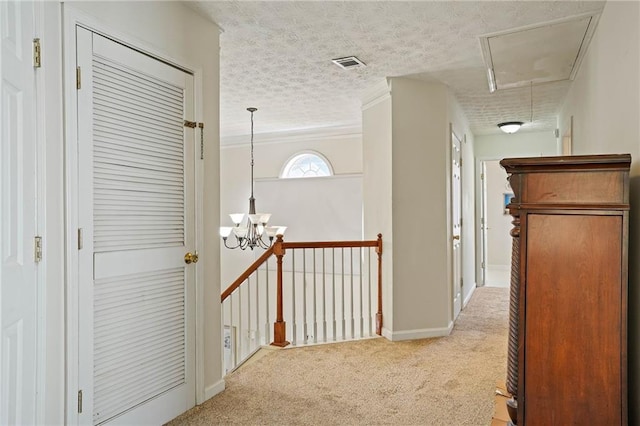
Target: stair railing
{"x": 323, "y": 288}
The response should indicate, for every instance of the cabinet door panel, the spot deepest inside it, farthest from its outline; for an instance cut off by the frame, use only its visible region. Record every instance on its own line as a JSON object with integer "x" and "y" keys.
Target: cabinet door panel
{"x": 573, "y": 319}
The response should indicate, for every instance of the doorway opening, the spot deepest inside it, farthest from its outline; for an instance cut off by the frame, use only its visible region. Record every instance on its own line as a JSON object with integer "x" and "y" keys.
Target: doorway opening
{"x": 495, "y": 224}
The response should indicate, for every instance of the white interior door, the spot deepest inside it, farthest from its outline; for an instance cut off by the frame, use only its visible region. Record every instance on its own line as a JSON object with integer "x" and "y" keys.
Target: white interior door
{"x": 498, "y": 241}
{"x": 18, "y": 217}
{"x": 456, "y": 223}
{"x": 483, "y": 223}
{"x": 137, "y": 214}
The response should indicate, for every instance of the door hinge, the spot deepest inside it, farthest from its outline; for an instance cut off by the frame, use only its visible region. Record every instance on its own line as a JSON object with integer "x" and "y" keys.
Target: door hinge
{"x": 79, "y": 402}
{"x": 482, "y": 265}
{"x": 78, "y": 78}
{"x": 80, "y": 239}
{"x": 190, "y": 124}
{"x": 482, "y": 176}
{"x": 37, "y": 54}
{"x": 37, "y": 249}
{"x": 201, "y": 125}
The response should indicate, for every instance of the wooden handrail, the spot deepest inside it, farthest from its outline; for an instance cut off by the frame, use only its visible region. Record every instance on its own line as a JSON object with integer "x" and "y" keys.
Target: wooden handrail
{"x": 254, "y": 266}
{"x": 278, "y": 249}
{"x": 328, "y": 244}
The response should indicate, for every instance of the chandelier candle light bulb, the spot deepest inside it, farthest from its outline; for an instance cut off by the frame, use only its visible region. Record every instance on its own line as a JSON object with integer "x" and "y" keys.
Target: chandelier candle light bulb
{"x": 250, "y": 235}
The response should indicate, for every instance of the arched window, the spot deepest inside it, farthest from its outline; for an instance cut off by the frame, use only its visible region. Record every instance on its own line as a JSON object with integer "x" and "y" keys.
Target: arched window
{"x": 307, "y": 164}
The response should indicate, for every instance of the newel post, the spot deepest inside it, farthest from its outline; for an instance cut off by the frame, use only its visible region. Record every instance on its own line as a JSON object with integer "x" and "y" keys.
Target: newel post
{"x": 379, "y": 313}
{"x": 279, "y": 327}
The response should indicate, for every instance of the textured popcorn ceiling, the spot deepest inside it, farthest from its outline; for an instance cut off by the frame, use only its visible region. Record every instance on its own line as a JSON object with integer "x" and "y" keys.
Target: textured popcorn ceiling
{"x": 276, "y": 56}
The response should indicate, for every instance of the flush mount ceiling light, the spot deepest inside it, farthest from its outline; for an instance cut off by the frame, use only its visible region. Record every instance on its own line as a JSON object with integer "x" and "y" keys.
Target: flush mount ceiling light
{"x": 510, "y": 126}
{"x": 348, "y": 62}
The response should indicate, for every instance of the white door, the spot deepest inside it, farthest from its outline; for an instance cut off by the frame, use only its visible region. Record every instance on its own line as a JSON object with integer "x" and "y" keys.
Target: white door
{"x": 483, "y": 223}
{"x": 18, "y": 216}
{"x": 456, "y": 222}
{"x": 498, "y": 241}
{"x": 137, "y": 220}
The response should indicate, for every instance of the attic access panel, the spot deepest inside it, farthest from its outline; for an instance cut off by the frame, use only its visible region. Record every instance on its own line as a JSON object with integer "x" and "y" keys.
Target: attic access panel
{"x": 538, "y": 54}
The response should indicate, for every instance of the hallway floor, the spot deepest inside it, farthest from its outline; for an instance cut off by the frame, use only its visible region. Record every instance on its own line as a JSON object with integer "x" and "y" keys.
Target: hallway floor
{"x": 447, "y": 380}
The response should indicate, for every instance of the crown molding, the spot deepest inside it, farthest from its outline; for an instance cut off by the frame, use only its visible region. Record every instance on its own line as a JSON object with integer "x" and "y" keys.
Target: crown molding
{"x": 289, "y": 136}
{"x": 376, "y": 94}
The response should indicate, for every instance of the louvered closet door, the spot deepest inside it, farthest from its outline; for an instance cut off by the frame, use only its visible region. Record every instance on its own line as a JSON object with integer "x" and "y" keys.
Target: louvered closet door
{"x": 137, "y": 202}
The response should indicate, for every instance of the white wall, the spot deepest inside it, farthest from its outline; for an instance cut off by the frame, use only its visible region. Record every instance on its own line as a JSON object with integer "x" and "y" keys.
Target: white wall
{"x": 420, "y": 149}
{"x": 521, "y": 144}
{"x": 499, "y": 223}
{"x": 461, "y": 128}
{"x": 406, "y": 141}
{"x": 325, "y": 208}
{"x": 271, "y": 152}
{"x": 497, "y": 147}
{"x": 193, "y": 42}
{"x": 377, "y": 189}
{"x": 604, "y": 101}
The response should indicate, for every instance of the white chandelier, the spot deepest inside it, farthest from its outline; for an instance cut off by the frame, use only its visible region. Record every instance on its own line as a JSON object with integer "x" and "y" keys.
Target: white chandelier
{"x": 251, "y": 234}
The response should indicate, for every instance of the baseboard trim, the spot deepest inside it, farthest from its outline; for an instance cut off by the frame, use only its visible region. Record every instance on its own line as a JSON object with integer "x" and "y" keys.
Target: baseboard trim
{"x": 466, "y": 299}
{"x": 386, "y": 333}
{"x": 214, "y": 389}
{"x": 424, "y": 333}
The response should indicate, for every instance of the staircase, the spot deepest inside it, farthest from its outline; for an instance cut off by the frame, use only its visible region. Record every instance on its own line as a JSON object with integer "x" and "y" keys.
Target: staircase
{"x": 327, "y": 291}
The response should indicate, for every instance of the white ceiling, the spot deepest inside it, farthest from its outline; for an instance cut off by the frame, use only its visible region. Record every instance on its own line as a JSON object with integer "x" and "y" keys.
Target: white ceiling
{"x": 276, "y": 56}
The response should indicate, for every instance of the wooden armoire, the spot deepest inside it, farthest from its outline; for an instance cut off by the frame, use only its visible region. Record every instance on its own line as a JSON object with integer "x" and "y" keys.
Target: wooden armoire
{"x": 568, "y": 303}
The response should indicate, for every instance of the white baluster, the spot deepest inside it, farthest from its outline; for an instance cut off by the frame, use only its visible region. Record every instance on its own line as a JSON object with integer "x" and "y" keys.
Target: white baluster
{"x": 240, "y": 333}
{"x": 370, "y": 316}
{"x": 360, "y": 262}
{"x": 315, "y": 316}
{"x": 344, "y": 314}
{"x": 305, "y": 332}
{"x": 247, "y": 335}
{"x": 294, "y": 336}
{"x": 353, "y": 321}
{"x": 253, "y": 333}
{"x": 324, "y": 298}
{"x": 333, "y": 293}
{"x": 267, "y": 326}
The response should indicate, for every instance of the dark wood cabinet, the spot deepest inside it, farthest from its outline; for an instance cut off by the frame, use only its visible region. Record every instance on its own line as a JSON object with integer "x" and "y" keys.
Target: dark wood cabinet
{"x": 568, "y": 308}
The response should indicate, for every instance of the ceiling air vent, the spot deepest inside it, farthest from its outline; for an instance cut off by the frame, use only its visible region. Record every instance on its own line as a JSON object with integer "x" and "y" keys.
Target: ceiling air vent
{"x": 349, "y": 62}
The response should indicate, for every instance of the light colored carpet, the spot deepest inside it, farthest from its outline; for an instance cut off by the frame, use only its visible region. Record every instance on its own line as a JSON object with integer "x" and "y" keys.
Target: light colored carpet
{"x": 442, "y": 381}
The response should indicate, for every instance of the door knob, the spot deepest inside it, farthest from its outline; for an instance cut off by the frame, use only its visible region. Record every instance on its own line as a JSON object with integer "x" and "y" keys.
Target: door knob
{"x": 456, "y": 237}
{"x": 191, "y": 258}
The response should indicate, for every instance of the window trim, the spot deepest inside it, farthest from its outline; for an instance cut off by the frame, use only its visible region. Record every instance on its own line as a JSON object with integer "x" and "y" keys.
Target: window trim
{"x": 287, "y": 165}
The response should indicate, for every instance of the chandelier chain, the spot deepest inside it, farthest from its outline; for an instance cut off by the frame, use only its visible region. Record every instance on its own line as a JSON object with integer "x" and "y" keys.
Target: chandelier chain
{"x": 252, "y": 111}
{"x": 251, "y": 235}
